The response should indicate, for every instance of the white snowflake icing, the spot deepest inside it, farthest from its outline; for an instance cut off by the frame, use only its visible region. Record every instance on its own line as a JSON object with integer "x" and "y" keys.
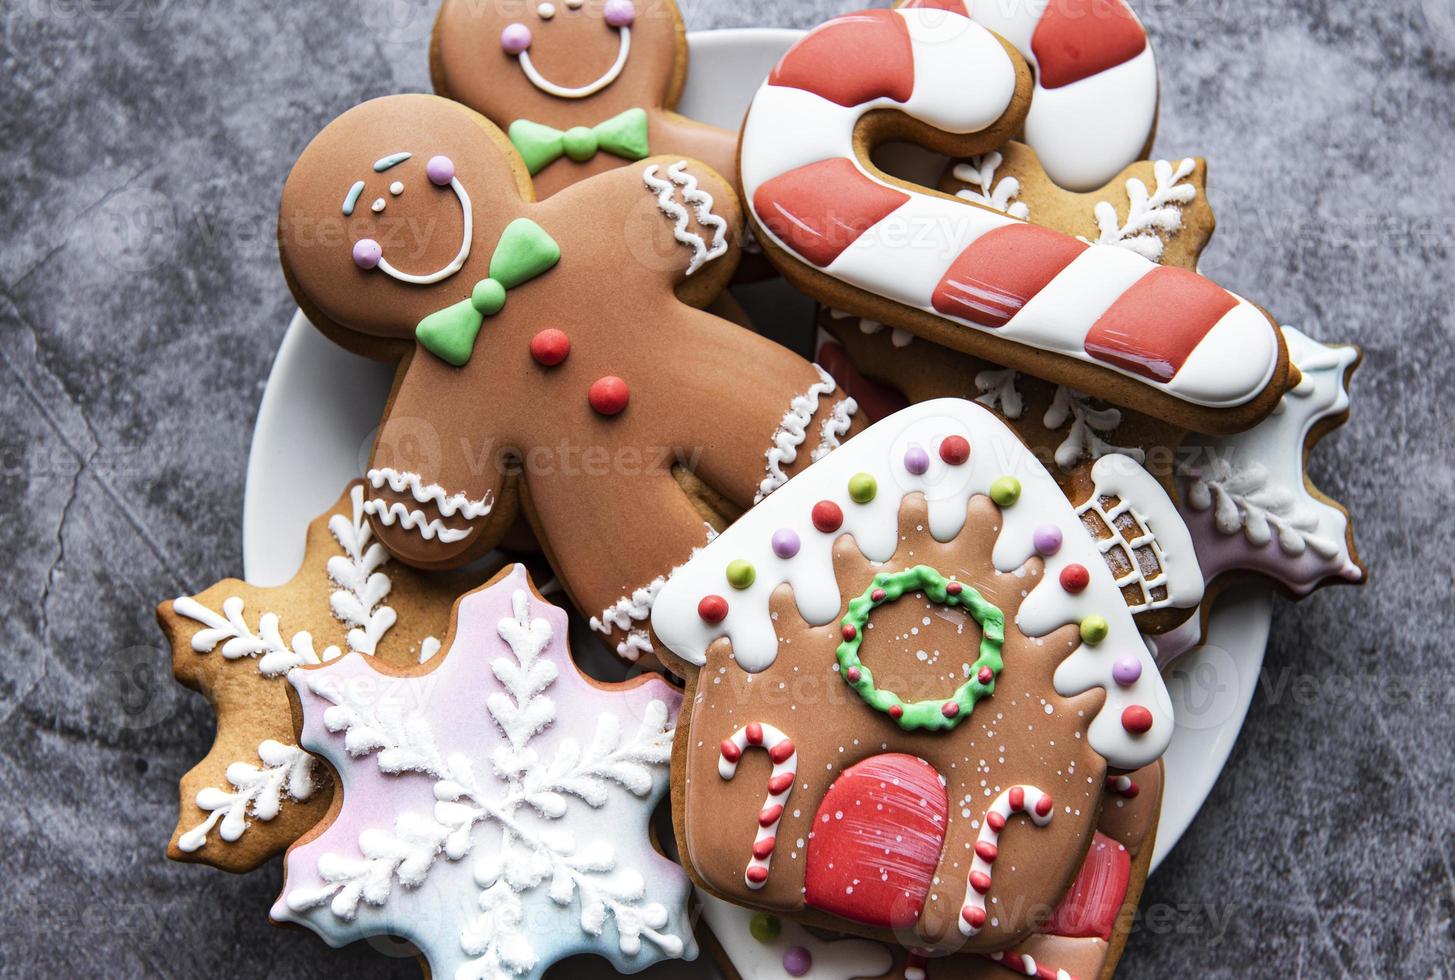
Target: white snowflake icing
{"x": 1150, "y": 214}
{"x": 1088, "y": 425}
{"x": 979, "y": 173}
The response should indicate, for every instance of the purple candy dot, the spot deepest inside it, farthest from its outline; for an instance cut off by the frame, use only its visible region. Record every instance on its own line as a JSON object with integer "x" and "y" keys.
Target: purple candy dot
{"x": 1047, "y": 539}
{"x": 441, "y": 171}
{"x": 367, "y": 253}
{"x": 1126, "y": 671}
{"x": 797, "y": 961}
{"x": 917, "y": 461}
{"x": 620, "y": 13}
{"x": 515, "y": 38}
{"x": 785, "y": 543}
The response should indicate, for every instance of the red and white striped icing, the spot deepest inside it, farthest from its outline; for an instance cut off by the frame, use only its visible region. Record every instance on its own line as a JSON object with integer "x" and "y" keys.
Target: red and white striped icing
{"x": 1095, "y": 101}
{"x": 785, "y": 767}
{"x": 1018, "y": 799}
{"x": 813, "y": 197}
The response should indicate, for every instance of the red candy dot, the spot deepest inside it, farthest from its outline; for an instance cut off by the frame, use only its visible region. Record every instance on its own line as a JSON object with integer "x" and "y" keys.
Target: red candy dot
{"x": 781, "y": 752}
{"x": 853, "y": 675}
{"x": 878, "y": 595}
{"x": 954, "y": 588}
{"x": 850, "y": 631}
{"x": 986, "y": 851}
{"x": 1075, "y": 578}
{"x": 713, "y": 609}
{"x": 757, "y": 874}
{"x": 609, "y": 395}
{"x": 730, "y": 750}
{"x": 827, "y": 516}
{"x": 986, "y": 675}
{"x": 896, "y": 712}
{"x": 950, "y": 709}
{"x": 1137, "y": 720}
{"x": 550, "y": 347}
{"x": 1017, "y": 799}
{"x": 1043, "y": 806}
{"x": 973, "y": 916}
{"x": 955, "y": 450}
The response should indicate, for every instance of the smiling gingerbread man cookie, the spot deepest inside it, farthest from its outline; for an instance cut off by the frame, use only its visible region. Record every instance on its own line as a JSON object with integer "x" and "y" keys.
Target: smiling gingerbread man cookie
{"x": 581, "y": 86}
{"x": 553, "y": 357}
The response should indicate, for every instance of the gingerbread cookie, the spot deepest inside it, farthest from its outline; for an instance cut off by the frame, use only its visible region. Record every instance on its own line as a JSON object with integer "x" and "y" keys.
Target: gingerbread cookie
{"x": 1164, "y": 341}
{"x": 914, "y": 646}
{"x": 555, "y": 362}
{"x": 495, "y": 801}
{"x": 1081, "y": 939}
{"x": 256, "y": 791}
{"x": 580, "y": 86}
{"x": 1248, "y": 501}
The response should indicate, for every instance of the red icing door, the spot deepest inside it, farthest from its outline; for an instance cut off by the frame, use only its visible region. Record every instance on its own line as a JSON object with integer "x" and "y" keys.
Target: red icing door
{"x": 876, "y": 841}
{"x": 1091, "y": 906}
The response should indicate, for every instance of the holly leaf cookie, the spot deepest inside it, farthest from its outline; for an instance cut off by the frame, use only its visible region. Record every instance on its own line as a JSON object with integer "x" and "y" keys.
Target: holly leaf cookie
{"x": 495, "y": 801}
{"x": 257, "y": 791}
{"x": 910, "y": 671}
{"x": 554, "y": 361}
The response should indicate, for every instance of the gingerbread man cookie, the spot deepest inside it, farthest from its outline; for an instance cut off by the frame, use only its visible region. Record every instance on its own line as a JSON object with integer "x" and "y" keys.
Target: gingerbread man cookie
{"x": 495, "y": 801}
{"x": 257, "y": 791}
{"x": 911, "y": 659}
{"x": 553, "y": 359}
{"x": 580, "y": 86}
{"x": 1162, "y": 340}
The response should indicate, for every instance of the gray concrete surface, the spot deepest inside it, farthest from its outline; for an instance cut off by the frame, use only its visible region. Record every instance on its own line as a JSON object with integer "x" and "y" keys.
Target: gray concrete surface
{"x": 140, "y": 308}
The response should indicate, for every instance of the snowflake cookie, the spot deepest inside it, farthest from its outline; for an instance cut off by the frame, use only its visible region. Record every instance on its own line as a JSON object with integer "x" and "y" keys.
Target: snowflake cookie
{"x": 495, "y": 802}
{"x": 256, "y": 792}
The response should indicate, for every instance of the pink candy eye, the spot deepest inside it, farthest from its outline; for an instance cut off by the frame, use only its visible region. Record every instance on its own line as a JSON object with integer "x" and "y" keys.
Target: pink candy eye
{"x": 441, "y": 170}
{"x": 620, "y": 13}
{"x": 367, "y": 253}
{"x": 516, "y": 38}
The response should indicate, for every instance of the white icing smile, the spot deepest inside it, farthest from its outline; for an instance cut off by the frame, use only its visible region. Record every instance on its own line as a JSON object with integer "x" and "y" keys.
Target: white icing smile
{"x": 561, "y": 91}
{"x": 369, "y": 254}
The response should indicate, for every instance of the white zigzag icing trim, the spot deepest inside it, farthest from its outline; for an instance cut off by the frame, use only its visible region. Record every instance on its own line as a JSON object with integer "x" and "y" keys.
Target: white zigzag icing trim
{"x": 637, "y": 608}
{"x": 794, "y": 429}
{"x": 702, "y": 203}
{"x": 449, "y": 504}
{"x": 415, "y": 520}
{"x": 835, "y": 427}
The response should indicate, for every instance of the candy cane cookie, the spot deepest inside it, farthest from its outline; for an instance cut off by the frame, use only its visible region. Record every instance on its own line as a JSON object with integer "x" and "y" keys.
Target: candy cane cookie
{"x": 1162, "y": 340}
{"x": 1018, "y": 799}
{"x": 785, "y": 766}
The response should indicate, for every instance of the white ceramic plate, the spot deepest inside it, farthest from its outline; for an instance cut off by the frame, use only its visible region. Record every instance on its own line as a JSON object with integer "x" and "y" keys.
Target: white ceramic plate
{"x": 322, "y": 405}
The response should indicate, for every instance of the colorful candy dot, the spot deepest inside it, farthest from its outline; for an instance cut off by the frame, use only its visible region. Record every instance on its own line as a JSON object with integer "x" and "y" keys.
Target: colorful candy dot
{"x": 950, "y": 709}
{"x": 862, "y": 488}
{"x": 896, "y": 712}
{"x": 515, "y": 38}
{"x": 741, "y": 574}
{"x": 1094, "y": 629}
{"x": 550, "y": 347}
{"x": 765, "y": 928}
{"x": 854, "y": 675}
{"x": 609, "y": 395}
{"x": 878, "y": 595}
{"x": 850, "y": 631}
{"x": 1137, "y": 720}
{"x": 786, "y": 542}
{"x": 1047, "y": 540}
{"x": 955, "y": 450}
{"x": 1126, "y": 671}
{"x": 367, "y": 253}
{"x": 954, "y": 588}
{"x": 986, "y": 675}
{"x": 828, "y": 517}
{"x": 440, "y": 170}
{"x": 797, "y": 961}
{"x": 620, "y": 13}
{"x": 1005, "y": 491}
{"x": 1075, "y": 578}
{"x": 713, "y": 609}
{"x": 916, "y": 460}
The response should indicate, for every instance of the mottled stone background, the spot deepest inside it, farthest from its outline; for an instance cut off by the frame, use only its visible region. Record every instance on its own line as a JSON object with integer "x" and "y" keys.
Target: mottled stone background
{"x": 141, "y": 306}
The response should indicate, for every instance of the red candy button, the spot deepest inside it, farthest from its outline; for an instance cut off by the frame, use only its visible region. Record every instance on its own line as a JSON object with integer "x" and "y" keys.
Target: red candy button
{"x": 551, "y": 347}
{"x": 955, "y": 450}
{"x": 1075, "y": 578}
{"x": 713, "y": 609}
{"x": 827, "y": 516}
{"x": 1137, "y": 720}
{"x": 609, "y": 395}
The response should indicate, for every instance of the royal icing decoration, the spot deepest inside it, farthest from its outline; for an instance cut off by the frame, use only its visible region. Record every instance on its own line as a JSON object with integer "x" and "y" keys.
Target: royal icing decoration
{"x": 257, "y": 792}
{"x": 623, "y": 135}
{"x": 369, "y": 254}
{"x": 985, "y": 189}
{"x": 519, "y": 794}
{"x": 893, "y": 450}
{"x": 1018, "y": 799}
{"x": 793, "y": 431}
{"x": 1151, "y": 215}
{"x": 785, "y": 766}
{"x": 973, "y": 267}
{"x": 701, "y": 203}
{"x": 517, "y": 39}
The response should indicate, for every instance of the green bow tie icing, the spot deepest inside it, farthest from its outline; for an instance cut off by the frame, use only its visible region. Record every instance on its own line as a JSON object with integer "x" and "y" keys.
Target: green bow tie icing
{"x": 622, "y": 136}
{"x": 525, "y": 251}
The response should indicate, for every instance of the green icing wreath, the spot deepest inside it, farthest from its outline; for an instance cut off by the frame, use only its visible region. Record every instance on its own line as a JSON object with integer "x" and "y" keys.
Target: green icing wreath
{"x": 937, "y": 715}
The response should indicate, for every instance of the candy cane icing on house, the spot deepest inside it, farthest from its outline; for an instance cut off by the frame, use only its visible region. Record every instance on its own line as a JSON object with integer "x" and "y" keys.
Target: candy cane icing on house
{"x": 1095, "y": 103}
{"x": 785, "y": 766}
{"x": 990, "y": 280}
{"x": 1018, "y": 799}
{"x": 949, "y": 450}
